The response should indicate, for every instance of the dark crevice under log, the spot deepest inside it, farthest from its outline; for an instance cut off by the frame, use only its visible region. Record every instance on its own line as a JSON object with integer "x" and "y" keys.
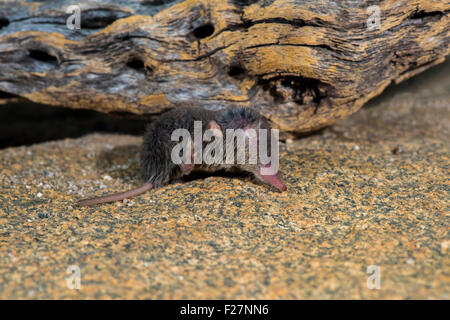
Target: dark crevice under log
{"x": 26, "y": 123}
{"x": 303, "y": 64}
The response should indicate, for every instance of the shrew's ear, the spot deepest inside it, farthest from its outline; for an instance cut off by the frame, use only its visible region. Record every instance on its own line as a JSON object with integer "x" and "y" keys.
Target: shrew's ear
{"x": 186, "y": 167}
{"x": 212, "y": 125}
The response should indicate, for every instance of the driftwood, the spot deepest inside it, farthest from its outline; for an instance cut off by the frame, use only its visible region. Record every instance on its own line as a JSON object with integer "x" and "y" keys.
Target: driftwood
{"x": 302, "y": 63}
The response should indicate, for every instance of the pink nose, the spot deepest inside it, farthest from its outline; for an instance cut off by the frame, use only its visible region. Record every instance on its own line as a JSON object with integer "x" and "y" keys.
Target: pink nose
{"x": 270, "y": 176}
{"x": 274, "y": 180}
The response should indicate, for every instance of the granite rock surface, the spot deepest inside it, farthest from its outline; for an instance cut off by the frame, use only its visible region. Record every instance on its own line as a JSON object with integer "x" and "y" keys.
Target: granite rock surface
{"x": 367, "y": 197}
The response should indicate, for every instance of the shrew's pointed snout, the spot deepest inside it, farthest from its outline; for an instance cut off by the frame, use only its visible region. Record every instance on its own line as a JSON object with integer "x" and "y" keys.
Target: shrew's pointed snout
{"x": 269, "y": 176}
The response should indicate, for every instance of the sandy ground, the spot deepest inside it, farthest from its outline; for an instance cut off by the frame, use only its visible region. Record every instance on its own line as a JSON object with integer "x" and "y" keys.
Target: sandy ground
{"x": 369, "y": 194}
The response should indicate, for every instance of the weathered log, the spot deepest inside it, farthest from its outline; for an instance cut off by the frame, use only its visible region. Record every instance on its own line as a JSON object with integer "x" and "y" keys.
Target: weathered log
{"x": 303, "y": 64}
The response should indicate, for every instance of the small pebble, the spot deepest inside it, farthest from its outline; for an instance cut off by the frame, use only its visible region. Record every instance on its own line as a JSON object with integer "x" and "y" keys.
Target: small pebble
{"x": 444, "y": 246}
{"x": 397, "y": 150}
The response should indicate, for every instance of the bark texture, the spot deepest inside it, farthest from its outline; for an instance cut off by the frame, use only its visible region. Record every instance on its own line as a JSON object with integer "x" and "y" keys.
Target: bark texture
{"x": 303, "y": 64}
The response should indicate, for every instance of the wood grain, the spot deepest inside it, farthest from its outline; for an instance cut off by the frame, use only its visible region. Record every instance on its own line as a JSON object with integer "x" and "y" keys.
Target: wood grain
{"x": 303, "y": 64}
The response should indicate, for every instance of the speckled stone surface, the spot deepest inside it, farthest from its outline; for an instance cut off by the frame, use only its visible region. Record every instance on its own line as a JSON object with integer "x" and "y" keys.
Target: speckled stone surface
{"x": 372, "y": 190}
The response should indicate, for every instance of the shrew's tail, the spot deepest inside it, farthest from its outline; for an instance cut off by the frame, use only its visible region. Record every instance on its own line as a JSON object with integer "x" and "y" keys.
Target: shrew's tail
{"x": 117, "y": 196}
